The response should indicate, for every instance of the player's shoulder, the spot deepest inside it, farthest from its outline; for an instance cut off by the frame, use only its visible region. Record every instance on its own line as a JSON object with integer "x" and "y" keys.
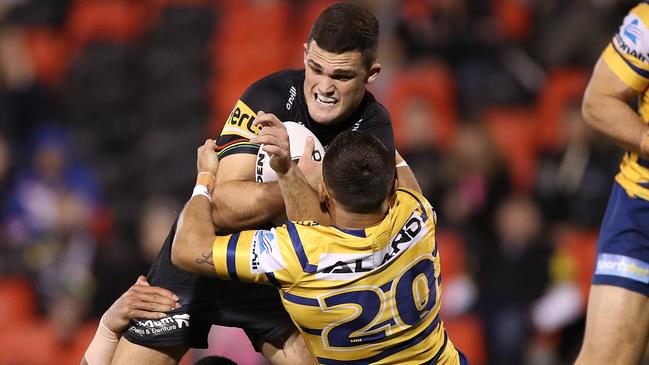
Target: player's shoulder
{"x": 633, "y": 35}
{"x": 407, "y": 194}
{"x": 276, "y": 85}
{"x": 374, "y": 113}
{"x": 271, "y": 93}
{"x": 641, "y": 10}
{"x": 409, "y": 199}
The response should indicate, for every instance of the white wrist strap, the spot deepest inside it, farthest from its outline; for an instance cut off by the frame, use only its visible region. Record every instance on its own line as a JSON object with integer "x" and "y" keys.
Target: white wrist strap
{"x": 202, "y": 190}
{"x": 402, "y": 164}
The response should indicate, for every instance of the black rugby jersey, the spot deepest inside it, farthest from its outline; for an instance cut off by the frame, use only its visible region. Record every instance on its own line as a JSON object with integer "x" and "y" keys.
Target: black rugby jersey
{"x": 282, "y": 94}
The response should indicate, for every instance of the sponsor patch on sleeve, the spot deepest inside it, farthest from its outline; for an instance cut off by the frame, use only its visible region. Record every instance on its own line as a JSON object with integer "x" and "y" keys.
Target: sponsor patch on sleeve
{"x": 633, "y": 39}
{"x": 240, "y": 122}
{"x": 265, "y": 256}
{"x": 622, "y": 266}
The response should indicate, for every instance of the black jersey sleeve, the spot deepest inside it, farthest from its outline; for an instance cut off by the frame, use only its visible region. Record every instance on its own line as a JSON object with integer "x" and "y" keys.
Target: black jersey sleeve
{"x": 377, "y": 122}
{"x": 265, "y": 95}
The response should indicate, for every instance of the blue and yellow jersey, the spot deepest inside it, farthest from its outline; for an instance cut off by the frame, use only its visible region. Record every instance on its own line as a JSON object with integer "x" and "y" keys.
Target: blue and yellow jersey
{"x": 359, "y": 296}
{"x": 628, "y": 56}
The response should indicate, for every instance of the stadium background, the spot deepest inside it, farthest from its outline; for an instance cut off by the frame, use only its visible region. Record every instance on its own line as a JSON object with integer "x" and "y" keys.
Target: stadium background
{"x": 103, "y": 102}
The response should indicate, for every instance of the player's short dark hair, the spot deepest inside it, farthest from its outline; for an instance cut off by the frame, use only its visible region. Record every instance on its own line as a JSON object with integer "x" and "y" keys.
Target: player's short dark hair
{"x": 358, "y": 171}
{"x": 215, "y": 360}
{"x": 346, "y": 27}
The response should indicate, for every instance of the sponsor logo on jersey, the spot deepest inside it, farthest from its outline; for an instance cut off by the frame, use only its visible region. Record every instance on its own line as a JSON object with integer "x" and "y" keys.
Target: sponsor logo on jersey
{"x": 357, "y": 125}
{"x": 623, "y": 266}
{"x": 260, "y": 167}
{"x": 629, "y": 39}
{"x": 240, "y": 121}
{"x": 264, "y": 253}
{"x": 408, "y": 235}
{"x": 631, "y": 31}
{"x": 149, "y": 328}
{"x": 337, "y": 266}
{"x": 340, "y": 266}
{"x": 292, "y": 93}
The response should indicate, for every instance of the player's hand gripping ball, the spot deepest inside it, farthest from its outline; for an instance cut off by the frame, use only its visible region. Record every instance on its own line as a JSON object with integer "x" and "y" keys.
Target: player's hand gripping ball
{"x": 297, "y": 134}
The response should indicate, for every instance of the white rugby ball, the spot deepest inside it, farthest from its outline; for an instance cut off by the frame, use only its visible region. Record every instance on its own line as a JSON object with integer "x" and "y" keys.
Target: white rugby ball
{"x": 297, "y": 134}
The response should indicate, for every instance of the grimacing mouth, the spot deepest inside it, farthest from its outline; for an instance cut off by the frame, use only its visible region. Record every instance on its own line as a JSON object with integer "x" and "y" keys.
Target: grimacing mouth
{"x": 324, "y": 100}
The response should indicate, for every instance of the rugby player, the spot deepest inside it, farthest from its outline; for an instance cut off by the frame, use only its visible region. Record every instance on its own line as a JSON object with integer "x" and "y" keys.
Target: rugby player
{"x": 365, "y": 287}
{"x": 617, "y": 320}
{"x": 328, "y": 96}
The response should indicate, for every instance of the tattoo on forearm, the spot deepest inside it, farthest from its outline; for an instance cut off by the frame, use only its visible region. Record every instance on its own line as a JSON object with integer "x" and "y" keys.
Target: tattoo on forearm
{"x": 206, "y": 259}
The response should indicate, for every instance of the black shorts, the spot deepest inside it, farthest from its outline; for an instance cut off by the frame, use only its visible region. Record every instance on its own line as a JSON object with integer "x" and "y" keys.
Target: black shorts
{"x": 255, "y": 308}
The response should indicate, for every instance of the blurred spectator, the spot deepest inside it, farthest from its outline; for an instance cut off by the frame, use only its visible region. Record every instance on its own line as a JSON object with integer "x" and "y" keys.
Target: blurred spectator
{"x": 558, "y": 44}
{"x": 572, "y": 181}
{"x": 158, "y": 214}
{"x": 5, "y": 169}
{"x": 118, "y": 262}
{"x": 453, "y": 30}
{"x": 421, "y": 153}
{"x": 48, "y": 218}
{"x": 7, "y": 254}
{"x": 476, "y": 179}
{"x": 512, "y": 274}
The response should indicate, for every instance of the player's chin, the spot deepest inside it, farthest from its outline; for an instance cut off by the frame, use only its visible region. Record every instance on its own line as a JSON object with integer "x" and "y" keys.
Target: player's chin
{"x": 325, "y": 115}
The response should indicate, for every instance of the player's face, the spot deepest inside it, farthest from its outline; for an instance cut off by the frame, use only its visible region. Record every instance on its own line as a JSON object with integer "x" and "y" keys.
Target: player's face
{"x": 334, "y": 84}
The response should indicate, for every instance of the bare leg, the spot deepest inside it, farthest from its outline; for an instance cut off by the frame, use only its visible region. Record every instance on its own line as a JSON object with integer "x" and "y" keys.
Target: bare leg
{"x": 617, "y": 326}
{"x": 130, "y": 353}
{"x": 295, "y": 351}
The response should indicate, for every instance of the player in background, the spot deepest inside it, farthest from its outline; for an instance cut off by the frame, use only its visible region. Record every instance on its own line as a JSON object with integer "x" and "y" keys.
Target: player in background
{"x": 617, "y": 321}
{"x": 362, "y": 287}
{"x": 328, "y": 96}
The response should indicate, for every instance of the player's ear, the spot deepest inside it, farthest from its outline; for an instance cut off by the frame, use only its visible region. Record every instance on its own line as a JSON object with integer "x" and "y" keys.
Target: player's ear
{"x": 373, "y": 72}
{"x": 323, "y": 194}
{"x": 306, "y": 51}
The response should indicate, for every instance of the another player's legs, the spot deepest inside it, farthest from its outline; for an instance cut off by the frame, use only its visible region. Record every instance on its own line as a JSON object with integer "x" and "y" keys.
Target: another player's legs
{"x": 295, "y": 351}
{"x": 129, "y": 353}
{"x": 617, "y": 326}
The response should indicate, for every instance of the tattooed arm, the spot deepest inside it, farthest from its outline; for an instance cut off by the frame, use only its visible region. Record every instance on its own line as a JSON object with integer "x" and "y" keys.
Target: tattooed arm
{"x": 192, "y": 246}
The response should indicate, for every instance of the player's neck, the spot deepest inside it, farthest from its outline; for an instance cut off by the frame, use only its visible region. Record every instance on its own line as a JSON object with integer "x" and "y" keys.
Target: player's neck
{"x": 349, "y": 220}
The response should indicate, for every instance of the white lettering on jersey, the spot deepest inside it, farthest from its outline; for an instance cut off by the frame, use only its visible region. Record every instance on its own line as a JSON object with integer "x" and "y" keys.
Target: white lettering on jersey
{"x": 633, "y": 38}
{"x": 292, "y": 93}
{"x": 340, "y": 266}
{"x": 265, "y": 255}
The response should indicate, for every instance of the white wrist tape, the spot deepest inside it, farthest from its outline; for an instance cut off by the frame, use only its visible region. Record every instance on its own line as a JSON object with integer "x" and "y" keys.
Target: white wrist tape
{"x": 402, "y": 164}
{"x": 202, "y": 190}
{"x": 103, "y": 345}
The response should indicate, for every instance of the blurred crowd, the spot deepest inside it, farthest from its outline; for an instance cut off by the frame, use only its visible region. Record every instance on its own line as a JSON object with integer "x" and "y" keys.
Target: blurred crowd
{"x": 103, "y": 102}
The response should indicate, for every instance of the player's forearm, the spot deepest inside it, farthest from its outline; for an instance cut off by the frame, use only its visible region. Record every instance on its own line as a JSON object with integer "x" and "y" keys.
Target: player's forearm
{"x": 240, "y": 205}
{"x": 616, "y": 119}
{"x": 193, "y": 238}
{"x": 606, "y": 109}
{"x": 405, "y": 177}
{"x": 301, "y": 201}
